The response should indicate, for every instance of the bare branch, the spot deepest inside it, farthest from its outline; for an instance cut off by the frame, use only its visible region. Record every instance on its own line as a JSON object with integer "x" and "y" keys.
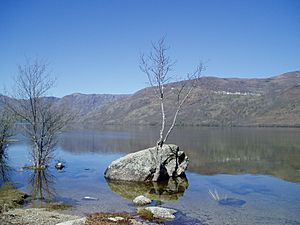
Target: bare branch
{"x": 157, "y": 65}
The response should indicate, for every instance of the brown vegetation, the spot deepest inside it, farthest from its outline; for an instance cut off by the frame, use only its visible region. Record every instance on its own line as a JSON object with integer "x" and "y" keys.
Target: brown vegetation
{"x": 103, "y": 219}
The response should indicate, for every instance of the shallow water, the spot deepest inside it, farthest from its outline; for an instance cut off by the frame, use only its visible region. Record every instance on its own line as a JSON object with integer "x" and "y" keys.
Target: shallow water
{"x": 254, "y": 171}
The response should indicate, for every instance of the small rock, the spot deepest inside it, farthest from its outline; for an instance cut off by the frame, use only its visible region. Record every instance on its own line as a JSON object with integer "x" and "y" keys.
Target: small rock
{"x": 89, "y": 198}
{"x": 115, "y": 219}
{"x": 73, "y": 222}
{"x": 162, "y": 213}
{"x": 59, "y": 166}
{"x": 141, "y": 200}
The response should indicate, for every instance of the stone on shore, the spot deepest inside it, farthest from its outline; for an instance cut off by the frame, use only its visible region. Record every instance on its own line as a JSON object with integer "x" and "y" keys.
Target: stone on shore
{"x": 152, "y": 164}
{"x": 80, "y": 221}
{"x": 141, "y": 200}
{"x": 34, "y": 216}
{"x": 115, "y": 219}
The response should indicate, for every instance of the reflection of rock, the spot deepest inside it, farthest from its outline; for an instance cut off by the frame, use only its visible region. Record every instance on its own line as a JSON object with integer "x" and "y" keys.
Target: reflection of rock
{"x": 151, "y": 164}
{"x": 170, "y": 190}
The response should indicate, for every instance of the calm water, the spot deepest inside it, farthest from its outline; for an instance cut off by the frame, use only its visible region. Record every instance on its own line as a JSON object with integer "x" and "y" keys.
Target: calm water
{"x": 255, "y": 172}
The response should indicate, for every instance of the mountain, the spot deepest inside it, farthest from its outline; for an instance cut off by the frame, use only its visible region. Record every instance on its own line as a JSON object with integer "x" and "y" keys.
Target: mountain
{"x": 82, "y": 104}
{"x": 272, "y": 101}
{"x": 215, "y": 101}
{"x": 77, "y": 104}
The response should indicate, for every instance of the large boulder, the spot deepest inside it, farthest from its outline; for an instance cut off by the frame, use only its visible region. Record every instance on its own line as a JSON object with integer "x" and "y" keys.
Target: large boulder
{"x": 152, "y": 164}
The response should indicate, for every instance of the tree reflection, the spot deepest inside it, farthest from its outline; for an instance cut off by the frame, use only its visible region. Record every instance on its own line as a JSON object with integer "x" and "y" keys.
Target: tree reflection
{"x": 5, "y": 169}
{"x": 41, "y": 183}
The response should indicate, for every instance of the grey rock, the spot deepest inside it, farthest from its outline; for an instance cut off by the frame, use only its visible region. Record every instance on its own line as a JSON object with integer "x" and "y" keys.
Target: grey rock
{"x": 162, "y": 213}
{"x": 141, "y": 200}
{"x": 152, "y": 164}
{"x": 59, "y": 166}
{"x": 74, "y": 222}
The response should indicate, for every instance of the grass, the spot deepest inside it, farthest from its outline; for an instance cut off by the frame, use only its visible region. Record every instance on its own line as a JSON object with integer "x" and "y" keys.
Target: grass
{"x": 56, "y": 206}
{"x": 103, "y": 219}
{"x": 145, "y": 214}
{"x": 10, "y": 197}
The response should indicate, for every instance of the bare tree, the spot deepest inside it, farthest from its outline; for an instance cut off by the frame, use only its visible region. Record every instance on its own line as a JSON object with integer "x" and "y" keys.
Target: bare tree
{"x": 41, "y": 119}
{"x": 157, "y": 65}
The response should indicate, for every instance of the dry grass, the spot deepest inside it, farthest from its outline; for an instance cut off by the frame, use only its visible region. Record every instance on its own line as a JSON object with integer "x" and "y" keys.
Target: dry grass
{"x": 10, "y": 197}
{"x": 102, "y": 219}
{"x": 145, "y": 214}
{"x": 54, "y": 206}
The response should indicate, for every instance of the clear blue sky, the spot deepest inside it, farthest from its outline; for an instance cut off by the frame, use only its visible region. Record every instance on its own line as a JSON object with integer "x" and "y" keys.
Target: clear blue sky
{"x": 94, "y": 46}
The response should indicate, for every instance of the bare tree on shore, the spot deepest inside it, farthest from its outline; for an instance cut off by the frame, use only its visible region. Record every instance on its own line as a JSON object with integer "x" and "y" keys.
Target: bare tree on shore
{"x": 157, "y": 65}
{"x": 40, "y": 118}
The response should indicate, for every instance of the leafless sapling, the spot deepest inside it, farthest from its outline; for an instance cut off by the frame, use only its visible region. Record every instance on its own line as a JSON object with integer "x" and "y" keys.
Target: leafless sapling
{"x": 157, "y": 65}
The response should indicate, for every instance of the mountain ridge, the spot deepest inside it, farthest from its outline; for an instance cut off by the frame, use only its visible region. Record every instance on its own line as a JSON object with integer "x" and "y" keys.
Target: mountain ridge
{"x": 216, "y": 101}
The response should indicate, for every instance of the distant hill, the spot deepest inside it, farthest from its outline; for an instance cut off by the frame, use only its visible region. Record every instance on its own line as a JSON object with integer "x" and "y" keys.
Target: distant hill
{"x": 273, "y": 101}
{"x": 82, "y": 104}
{"x": 79, "y": 104}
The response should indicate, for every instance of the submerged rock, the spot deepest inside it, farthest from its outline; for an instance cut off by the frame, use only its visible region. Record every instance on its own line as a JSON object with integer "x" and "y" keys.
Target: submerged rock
{"x": 141, "y": 200}
{"x": 152, "y": 164}
{"x": 232, "y": 202}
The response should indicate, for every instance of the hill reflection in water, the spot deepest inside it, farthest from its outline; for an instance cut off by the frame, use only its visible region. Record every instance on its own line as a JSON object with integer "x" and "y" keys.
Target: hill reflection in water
{"x": 270, "y": 151}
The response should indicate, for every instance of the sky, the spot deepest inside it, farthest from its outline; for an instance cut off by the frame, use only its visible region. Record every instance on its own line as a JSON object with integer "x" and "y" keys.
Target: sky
{"x": 94, "y": 46}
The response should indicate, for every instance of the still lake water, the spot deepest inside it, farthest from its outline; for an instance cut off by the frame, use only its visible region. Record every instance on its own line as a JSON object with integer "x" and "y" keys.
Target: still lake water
{"x": 255, "y": 171}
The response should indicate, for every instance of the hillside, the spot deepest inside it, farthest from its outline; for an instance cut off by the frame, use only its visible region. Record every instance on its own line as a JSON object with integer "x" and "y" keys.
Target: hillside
{"x": 82, "y": 104}
{"x": 216, "y": 101}
{"x": 78, "y": 104}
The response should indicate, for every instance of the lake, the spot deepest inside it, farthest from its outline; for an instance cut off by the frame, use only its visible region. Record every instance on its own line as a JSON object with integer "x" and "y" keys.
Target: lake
{"x": 255, "y": 172}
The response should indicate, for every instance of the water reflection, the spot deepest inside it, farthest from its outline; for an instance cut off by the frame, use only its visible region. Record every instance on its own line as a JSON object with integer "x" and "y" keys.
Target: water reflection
{"x": 270, "y": 151}
{"x": 41, "y": 185}
{"x": 5, "y": 169}
{"x": 170, "y": 190}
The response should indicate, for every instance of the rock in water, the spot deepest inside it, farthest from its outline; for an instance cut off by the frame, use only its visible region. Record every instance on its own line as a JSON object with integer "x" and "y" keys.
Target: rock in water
{"x": 152, "y": 164}
{"x": 59, "y": 166}
{"x": 162, "y": 213}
